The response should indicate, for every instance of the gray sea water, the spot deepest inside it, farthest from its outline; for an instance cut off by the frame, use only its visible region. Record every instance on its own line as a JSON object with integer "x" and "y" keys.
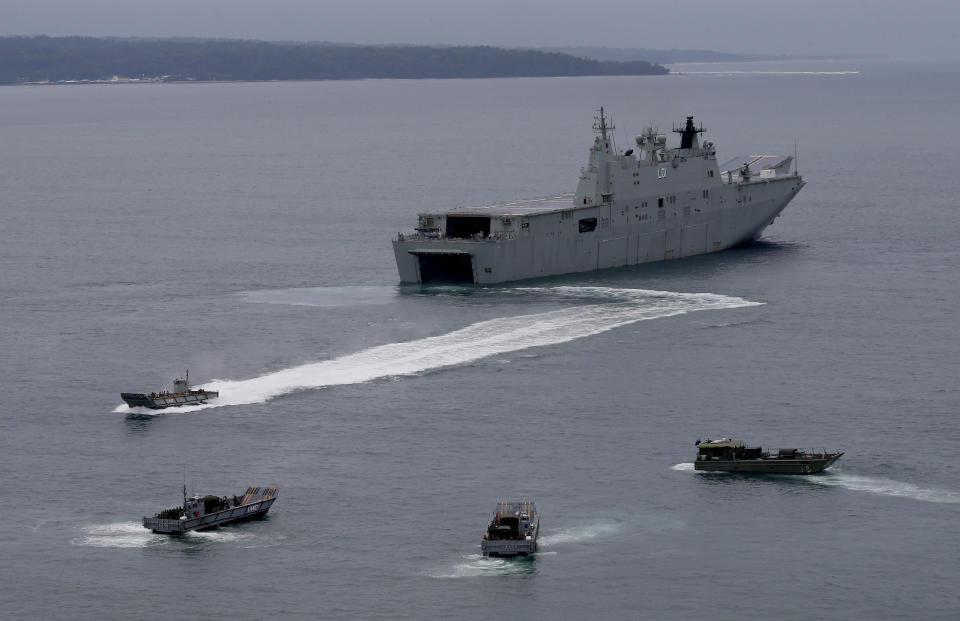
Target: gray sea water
{"x": 242, "y": 230}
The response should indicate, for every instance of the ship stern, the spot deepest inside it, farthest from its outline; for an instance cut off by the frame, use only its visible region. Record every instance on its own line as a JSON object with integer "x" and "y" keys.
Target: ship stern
{"x": 434, "y": 262}
{"x": 508, "y": 548}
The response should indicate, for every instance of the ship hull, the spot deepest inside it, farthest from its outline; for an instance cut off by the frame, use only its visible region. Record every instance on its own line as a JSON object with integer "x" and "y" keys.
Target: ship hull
{"x": 768, "y": 466}
{"x": 508, "y": 548}
{"x": 252, "y": 511}
{"x": 141, "y": 400}
{"x": 551, "y": 245}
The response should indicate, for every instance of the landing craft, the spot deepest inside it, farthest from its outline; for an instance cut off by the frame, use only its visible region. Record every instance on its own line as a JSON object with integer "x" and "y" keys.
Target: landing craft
{"x": 181, "y": 395}
{"x": 203, "y": 512}
{"x": 727, "y": 455}
{"x": 513, "y": 530}
{"x": 630, "y": 207}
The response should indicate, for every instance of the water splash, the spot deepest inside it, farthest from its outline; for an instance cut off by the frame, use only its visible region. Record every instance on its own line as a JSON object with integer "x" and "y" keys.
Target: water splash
{"x": 477, "y": 565}
{"x": 134, "y": 535}
{"x": 612, "y": 308}
{"x": 119, "y": 535}
{"x": 216, "y": 536}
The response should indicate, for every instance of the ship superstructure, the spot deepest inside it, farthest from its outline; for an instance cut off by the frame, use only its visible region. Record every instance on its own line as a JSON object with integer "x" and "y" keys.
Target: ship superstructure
{"x": 644, "y": 204}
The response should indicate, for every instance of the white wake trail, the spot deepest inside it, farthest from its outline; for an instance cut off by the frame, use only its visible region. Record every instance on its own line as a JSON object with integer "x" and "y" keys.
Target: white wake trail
{"x": 620, "y": 307}
{"x": 887, "y": 487}
{"x": 884, "y": 487}
{"x": 580, "y": 534}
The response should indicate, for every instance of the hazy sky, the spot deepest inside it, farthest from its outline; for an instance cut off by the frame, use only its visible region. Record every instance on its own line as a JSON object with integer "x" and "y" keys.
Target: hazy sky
{"x": 899, "y": 28}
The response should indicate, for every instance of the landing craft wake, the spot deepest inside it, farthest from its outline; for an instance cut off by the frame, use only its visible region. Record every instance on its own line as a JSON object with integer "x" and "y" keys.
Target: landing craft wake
{"x": 885, "y": 487}
{"x": 620, "y": 307}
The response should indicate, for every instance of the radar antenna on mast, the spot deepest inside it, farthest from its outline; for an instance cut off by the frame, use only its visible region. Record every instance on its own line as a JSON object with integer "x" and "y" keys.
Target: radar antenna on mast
{"x": 687, "y": 133}
{"x": 600, "y": 124}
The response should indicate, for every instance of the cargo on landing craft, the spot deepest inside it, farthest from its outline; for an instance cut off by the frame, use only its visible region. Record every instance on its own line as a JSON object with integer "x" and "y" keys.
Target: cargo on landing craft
{"x": 513, "y": 530}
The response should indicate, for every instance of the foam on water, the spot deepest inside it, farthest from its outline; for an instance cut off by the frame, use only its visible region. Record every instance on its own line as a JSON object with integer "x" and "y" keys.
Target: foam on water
{"x": 615, "y": 308}
{"x": 579, "y": 534}
{"x": 134, "y": 535}
{"x": 477, "y": 565}
{"x": 119, "y": 535}
{"x": 216, "y": 535}
{"x": 886, "y": 487}
{"x": 147, "y": 412}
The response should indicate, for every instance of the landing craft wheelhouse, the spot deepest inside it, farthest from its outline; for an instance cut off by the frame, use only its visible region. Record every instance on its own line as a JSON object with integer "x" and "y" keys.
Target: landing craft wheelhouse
{"x": 641, "y": 205}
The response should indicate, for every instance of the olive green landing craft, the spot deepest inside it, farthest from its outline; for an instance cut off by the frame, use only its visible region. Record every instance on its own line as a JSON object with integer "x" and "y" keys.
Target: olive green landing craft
{"x": 727, "y": 455}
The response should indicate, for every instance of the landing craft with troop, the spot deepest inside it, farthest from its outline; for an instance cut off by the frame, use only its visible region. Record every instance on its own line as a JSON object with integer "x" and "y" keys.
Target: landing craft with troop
{"x": 203, "y": 512}
{"x": 630, "y": 207}
{"x": 181, "y": 395}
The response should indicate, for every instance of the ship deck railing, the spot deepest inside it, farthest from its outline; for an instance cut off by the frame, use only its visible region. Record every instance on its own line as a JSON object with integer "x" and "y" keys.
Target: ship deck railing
{"x": 818, "y": 453}
{"x": 163, "y": 524}
{"x": 497, "y": 236}
{"x": 728, "y": 177}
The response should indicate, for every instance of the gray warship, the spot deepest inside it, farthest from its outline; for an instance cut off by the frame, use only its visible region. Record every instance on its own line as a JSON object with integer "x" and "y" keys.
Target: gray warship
{"x": 727, "y": 455}
{"x": 203, "y": 512}
{"x": 181, "y": 395}
{"x": 513, "y": 530}
{"x": 641, "y": 205}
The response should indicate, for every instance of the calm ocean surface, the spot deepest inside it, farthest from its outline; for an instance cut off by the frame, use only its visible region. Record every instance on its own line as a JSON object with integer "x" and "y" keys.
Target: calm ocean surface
{"x": 242, "y": 230}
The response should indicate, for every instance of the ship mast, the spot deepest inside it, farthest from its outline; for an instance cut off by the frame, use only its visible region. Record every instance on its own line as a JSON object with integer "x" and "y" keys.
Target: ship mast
{"x": 688, "y": 133}
{"x": 600, "y": 124}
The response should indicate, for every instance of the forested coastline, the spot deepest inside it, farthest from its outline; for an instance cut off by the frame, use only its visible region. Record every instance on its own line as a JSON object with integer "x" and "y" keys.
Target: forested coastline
{"x": 63, "y": 59}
